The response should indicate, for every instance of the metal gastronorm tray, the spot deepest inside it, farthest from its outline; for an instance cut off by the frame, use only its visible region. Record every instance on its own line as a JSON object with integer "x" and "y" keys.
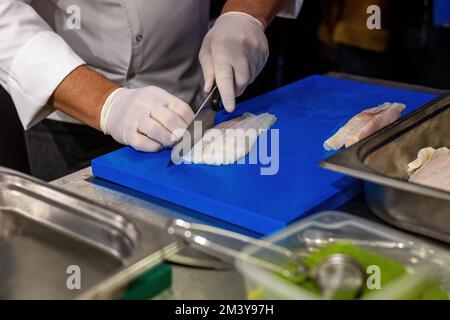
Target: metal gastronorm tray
{"x": 47, "y": 234}
{"x": 380, "y": 161}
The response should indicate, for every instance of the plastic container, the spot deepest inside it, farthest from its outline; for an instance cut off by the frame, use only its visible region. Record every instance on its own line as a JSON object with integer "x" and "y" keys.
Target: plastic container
{"x": 327, "y": 228}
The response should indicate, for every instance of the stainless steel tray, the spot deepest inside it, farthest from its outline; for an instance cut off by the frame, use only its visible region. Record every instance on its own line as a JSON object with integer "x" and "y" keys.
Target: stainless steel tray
{"x": 380, "y": 162}
{"x": 44, "y": 231}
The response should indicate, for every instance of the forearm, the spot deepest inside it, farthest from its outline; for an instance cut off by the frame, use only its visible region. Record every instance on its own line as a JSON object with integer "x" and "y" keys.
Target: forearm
{"x": 264, "y": 10}
{"x": 82, "y": 94}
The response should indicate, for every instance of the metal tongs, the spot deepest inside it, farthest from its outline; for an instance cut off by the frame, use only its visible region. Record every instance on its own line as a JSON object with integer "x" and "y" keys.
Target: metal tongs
{"x": 337, "y": 276}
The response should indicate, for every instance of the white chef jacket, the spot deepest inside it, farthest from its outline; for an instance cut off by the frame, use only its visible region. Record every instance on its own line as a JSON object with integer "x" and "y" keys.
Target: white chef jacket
{"x": 133, "y": 42}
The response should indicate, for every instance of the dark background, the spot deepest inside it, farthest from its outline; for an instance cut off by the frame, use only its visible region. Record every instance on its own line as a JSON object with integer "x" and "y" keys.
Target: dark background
{"x": 418, "y": 53}
{"x": 12, "y": 144}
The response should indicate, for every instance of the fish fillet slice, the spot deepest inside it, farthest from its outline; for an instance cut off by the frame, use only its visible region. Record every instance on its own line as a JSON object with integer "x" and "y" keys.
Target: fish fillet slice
{"x": 431, "y": 168}
{"x": 423, "y": 156}
{"x": 364, "y": 124}
{"x": 231, "y": 140}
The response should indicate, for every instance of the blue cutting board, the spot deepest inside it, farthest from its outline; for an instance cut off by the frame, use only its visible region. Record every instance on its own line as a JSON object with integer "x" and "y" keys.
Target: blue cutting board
{"x": 308, "y": 112}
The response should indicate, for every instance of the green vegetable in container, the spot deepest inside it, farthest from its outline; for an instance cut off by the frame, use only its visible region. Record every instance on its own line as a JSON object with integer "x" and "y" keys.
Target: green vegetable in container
{"x": 339, "y": 264}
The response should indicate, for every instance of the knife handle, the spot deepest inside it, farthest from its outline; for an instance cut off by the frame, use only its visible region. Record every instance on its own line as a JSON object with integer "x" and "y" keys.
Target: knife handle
{"x": 216, "y": 102}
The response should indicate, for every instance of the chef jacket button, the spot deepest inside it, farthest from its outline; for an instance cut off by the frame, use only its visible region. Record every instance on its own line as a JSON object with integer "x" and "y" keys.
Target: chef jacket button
{"x": 139, "y": 38}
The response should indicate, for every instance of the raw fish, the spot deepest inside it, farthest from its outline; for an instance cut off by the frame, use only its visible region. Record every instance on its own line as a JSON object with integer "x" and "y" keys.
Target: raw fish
{"x": 431, "y": 168}
{"x": 364, "y": 124}
{"x": 231, "y": 140}
{"x": 422, "y": 157}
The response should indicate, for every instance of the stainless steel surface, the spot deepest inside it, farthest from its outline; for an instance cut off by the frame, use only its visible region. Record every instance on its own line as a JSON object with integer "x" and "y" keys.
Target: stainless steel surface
{"x": 381, "y": 160}
{"x": 339, "y": 276}
{"x": 203, "y": 120}
{"x": 136, "y": 208}
{"x": 193, "y": 282}
{"x": 45, "y": 231}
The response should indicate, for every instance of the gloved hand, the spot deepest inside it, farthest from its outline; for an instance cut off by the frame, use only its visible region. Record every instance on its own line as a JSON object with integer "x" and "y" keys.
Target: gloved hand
{"x": 233, "y": 53}
{"x": 147, "y": 118}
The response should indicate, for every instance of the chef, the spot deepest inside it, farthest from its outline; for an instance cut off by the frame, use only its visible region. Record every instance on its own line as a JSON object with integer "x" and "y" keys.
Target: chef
{"x": 128, "y": 69}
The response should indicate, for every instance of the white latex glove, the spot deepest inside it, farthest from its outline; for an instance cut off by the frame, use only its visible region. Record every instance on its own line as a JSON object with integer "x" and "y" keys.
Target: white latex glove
{"x": 233, "y": 53}
{"x": 147, "y": 119}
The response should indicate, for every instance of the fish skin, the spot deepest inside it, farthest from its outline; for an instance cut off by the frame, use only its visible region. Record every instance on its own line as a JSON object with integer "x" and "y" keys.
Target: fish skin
{"x": 238, "y": 135}
{"x": 364, "y": 124}
{"x": 434, "y": 171}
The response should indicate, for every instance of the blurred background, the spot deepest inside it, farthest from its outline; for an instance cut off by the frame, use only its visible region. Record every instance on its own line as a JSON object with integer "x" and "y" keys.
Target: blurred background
{"x": 413, "y": 46}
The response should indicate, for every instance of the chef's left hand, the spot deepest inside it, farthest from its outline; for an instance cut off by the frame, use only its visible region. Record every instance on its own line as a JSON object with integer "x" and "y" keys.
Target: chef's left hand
{"x": 233, "y": 53}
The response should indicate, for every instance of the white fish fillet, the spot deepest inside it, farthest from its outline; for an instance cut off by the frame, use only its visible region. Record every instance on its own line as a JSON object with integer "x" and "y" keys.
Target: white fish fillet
{"x": 431, "y": 168}
{"x": 423, "y": 156}
{"x": 364, "y": 124}
{"x": 231, "y": 140}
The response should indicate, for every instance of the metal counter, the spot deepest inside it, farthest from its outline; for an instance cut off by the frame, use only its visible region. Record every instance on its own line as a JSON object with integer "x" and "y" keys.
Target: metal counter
{"x": 209, "y": 280}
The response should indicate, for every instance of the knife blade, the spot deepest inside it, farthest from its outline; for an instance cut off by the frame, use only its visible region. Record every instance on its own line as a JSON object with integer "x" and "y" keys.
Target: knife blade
{"x": 203, "y": 120}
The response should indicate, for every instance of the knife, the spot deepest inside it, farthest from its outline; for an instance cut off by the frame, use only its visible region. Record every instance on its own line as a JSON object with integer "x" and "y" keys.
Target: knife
{"x": 203, "y": 120}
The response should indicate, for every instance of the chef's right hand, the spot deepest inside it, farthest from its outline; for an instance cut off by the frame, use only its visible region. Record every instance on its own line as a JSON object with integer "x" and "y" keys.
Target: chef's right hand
{"x": 147, "y": 118}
